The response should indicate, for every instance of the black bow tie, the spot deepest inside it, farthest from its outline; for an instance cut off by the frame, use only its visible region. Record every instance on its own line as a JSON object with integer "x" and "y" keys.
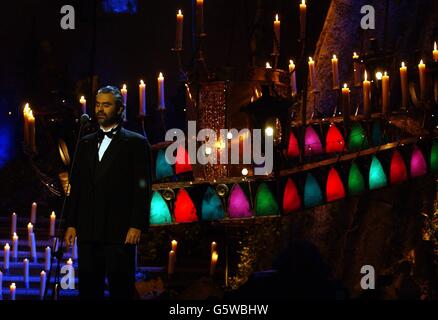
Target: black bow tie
{"x": 110, "y": 134}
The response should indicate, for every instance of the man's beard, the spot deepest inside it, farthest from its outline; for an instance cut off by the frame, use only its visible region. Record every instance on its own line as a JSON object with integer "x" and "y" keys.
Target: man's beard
{"x": 106, "y": 122}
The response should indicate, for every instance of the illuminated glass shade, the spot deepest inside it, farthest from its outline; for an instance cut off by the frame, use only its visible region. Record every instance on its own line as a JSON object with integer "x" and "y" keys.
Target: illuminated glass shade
{"x": 291, "y": 198}
{"x": 266, "y": 205}
{"x": 398, "y": 169}
{"x": 238, "y": 204}
{"x": 159, "y": 213}
{"x": 182, "y": 161}
{"x": 312, "y": 192}
{"x": 377, "y": 178}
{"x": 212, "y": 206}
{"x": 434, "y": 157}
{"x": 418, "y": 163}
{"x": 358, "y": 139}
{"x": 312, "y": 142}
{"x": 356, "y": 182}
{"x": 293, "y": 150}
{"x": 185, "y": 210}
{"x": 334, "y": 142}
{"x": 335, "y": 188}
{"x": 162, "y": 168}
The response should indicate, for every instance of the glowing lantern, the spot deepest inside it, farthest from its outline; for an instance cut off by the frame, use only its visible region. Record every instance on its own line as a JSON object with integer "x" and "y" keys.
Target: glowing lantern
{"x": 334, "y": 142}
{"x": 335, "y": 188}
{"x": 358, "y": 139}
{"x": 238, "y": 204}
{"x": 185, "y": 210}
{"x": 293, "y": 149}
{"x": 159, "y": 213}
{"x": 211, "y": 206}
{"x": 377, "y": 178}
{"x": 182, "y": 161}
{"x": 291, "y": 198}
{"x": 312, "y": 192}
{"x": 356, "y": 183}
{"x": 162, "y": 168}
{"x": 266, "y": 205}
{"x": 434, "y": 157}
{"x": 398, "y": 171}
{"x": 312, "y": 142}
{"x": 418, "y": 163}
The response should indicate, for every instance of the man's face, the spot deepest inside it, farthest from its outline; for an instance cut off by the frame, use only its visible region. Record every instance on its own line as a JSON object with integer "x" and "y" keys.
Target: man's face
{"x": 106, "y": 109}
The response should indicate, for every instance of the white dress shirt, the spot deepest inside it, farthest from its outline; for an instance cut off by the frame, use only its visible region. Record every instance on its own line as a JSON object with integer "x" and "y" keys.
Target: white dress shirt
{"x": 105, "y": 143}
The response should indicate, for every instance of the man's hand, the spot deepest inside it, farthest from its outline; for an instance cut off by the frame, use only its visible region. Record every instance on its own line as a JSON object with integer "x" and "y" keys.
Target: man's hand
{"x": 70, "y": 236}
{"x": 133, "y": 236}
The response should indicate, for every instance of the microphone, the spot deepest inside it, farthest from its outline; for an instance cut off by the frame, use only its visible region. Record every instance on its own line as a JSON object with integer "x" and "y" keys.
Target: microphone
{"x": 85, "y": 119}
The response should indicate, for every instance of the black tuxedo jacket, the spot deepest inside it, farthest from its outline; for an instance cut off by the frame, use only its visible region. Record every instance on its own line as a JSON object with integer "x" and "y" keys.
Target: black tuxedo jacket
{"x": 109, "y": 197}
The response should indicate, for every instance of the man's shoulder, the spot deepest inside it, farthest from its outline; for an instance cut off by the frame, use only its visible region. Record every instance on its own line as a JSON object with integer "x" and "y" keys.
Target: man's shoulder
{"x": 131, "y": 135}
{"x": 88, "y": 137}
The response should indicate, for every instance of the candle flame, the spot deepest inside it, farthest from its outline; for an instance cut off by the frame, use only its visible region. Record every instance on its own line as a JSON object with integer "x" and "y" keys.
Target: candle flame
{"x": 7, "y": 246}
{"x": 385, "y": 74}
{"x": 334, "y": 57}
{"x": 421, "y": 61}
{"x": 379, "y": 75}
{"x": 53, "y": 214}
{"x": 434, "y": 46}
{"x": 268, "y": 65}
{"x": 179, "y": 12}
{"x": 276, "y": 17}
{"x": 303, "y": 2}
{"x": 141, "y": 82}
{"x": 365, "y": 76}
{"x": 291, "y": 62}
{"x": 214, "y": 256}
{"x": 124, "y": 87}
{"x": 160, "y": 76}
{"x": 12, "y": 286}
{"x": 43, "y": 273}
{"x": 310, "y": 59}
{"x": 355, "y": 56}
{"x": 403, "y": 64}
{"x": 345, "y": 86}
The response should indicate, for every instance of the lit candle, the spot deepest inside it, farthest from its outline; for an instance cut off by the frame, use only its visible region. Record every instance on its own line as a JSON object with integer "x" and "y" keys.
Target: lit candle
{"x": 213, "y": 247}
{"x": 47, "y": 258}
{"x": 293, "y": 78}
{"x": 422, "y": 72}
{"x": 161, "y": 97}
{"x": 171, "y": 265}
{"x": 83, "y": 103}
{"x": 26, "y": 273}
{"x": 43, "y": 279}
{"x": 366, "y": 96}
{"x": 335, "y": 72}
{"x": 74, "y": 250}
{"x": 200, "y": 16}
{"x": 31, "y": 134}
{"x": 356, "y": 69}
{"x": 179, "y": 30}
{"x": 276, "y": 49}
{"x": 13, "y": 223}
{"x": 385, "y": 93}
{"x": 303, "y": 10}
{"x": 15, "y": 246}
{"x": 379, "y": 77}
{"x": 70, "y": 262}
{"x": 268, "y": 65}
{"x": 142, "y": 89}
{"x": 33, "y": 212}
{"x": 29, "y": 232}
{"x": 124, "y": 92}
{"x": 52, "y": 224}
{"x": 174, "y": 245}
{"x": 404, "y": 85}
{"x": 346, "y": 103}
{"x": 26, "y": 111}
{"x": 12, "y": 289}
{"x": 6, "y": 256}
{"x": 312, "y": 74}
{"x": 33, "y": 247}
{"x": 214, "y": 257}
{"x": 435, "y": 52}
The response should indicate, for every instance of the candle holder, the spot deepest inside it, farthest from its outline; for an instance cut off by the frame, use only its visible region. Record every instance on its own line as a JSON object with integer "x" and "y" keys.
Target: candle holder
{"x": 182, "y": 73}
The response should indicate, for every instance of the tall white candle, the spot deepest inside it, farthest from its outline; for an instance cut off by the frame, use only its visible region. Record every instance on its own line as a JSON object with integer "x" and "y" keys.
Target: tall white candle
{"x": 43, "y": 279}
{"x": 161, "y": 97}
{"x": 435, "y": 52}
{"x": 13, "y": 223}
{"x": 26, "y": 111}
{"x": 179, "y": 30}
{"x": 213, "y": 247}
{"x": 171, "y": 263}
{"x": 83, "y": 103}
{"x": 422, "y": 73}
{"x": 293, "y": 77}
{"x": 366, "y": 96}
{"x": 312, "y": 75}
{"x": 52, "y": 224}
{"x": 124, "y": 92}
{"x": 174, "y": 244}
{"x": 276, "y": 45}
{"x": 356, "y": 69}
{"x": 200, "y": 16}
{"x": 214, "y": 257}
{"x": 142, "y": 92}
{"x": 29, "y": 232}
{"x": 303, "y": 12}
{"x": 15, "y": 246}
{"x": 335, "y": 72}
{"x": 26, "y": 273}
{"x": 31, "y": 129}
{"x": 33, "y": 247}
{"x": 385, "y": 93}
{"x": 404, "y": 85}
{"x": 12, "y": 289}
{"x": 33, "y": 213}
{"x": 6, "y": 256}
{"x": 48, "y": 257}
{"x": 74, "y": 250}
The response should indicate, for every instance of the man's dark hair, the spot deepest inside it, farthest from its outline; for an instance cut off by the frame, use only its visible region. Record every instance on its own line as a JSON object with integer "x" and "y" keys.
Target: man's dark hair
{"x": 116, "y": 93}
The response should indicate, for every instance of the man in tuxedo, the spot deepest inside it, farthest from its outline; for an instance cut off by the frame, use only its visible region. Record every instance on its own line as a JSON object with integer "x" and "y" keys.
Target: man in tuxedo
{"x": 108, "y": 205}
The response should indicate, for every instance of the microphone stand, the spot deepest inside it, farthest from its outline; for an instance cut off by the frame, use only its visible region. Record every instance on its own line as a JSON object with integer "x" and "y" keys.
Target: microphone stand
{"x": 58, "y": 247}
